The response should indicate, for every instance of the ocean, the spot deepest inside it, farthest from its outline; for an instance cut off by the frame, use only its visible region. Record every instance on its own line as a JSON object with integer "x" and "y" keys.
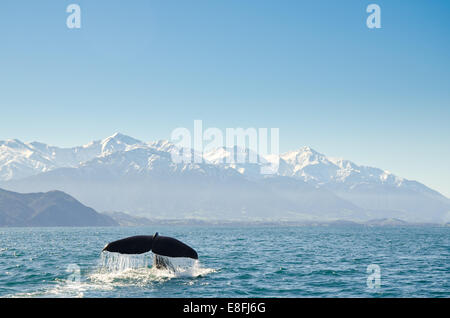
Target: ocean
{"x": 242, "y": 261}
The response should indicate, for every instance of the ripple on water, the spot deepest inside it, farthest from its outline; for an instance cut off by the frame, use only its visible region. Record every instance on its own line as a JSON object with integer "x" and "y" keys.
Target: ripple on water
{"x": 239, "y": 261}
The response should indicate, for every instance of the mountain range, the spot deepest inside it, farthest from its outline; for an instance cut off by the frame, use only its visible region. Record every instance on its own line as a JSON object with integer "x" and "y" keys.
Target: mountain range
{"x": 121, "y": 173}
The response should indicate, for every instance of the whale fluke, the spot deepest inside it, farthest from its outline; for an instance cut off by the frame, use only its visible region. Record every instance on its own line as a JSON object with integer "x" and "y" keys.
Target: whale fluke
{"x": 167, "y": 246}
{"x": 131, "y": 245}
{"x": 160, "y": 245}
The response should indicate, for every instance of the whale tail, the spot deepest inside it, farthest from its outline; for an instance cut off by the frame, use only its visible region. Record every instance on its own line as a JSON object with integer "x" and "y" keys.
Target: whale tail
{"x": 160, "y": 245}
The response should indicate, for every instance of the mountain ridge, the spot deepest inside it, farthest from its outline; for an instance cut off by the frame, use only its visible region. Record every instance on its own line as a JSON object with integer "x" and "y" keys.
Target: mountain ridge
{"x": 53, "y": 208}
{"x": 308, "y": 179}
{"x": 308, "y": 159}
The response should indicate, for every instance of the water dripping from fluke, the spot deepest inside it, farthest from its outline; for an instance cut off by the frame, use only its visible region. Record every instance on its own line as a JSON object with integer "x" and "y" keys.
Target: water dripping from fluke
{"x": 129, "y": 260}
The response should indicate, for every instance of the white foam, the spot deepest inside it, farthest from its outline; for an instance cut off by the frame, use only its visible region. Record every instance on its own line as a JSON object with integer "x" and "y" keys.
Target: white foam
{"x": 122, "y": 270}
{"x": 116, "y": 270}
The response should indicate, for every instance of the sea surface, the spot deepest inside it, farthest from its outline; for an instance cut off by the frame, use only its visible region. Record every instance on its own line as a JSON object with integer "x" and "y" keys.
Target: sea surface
{"x": 233, "y": 262}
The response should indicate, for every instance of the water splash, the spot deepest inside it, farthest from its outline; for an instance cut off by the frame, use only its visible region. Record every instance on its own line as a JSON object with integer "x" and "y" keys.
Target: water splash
{"x": 115, "y": 270}
{"x": 120, "y": 270}
{"x": 114, "y": 262}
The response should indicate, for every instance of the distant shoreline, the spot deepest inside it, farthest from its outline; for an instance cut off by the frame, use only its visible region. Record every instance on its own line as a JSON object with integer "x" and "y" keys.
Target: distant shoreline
{"x": 127, "y": 220}
{"x": 225, "y": 224}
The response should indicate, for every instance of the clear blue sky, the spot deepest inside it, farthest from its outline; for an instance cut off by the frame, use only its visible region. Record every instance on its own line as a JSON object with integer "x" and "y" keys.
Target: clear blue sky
{"x": 311, "y": 68}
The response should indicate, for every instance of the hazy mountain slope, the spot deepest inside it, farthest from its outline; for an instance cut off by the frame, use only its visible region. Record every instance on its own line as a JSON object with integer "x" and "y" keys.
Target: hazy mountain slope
{"x": 379, "y": 192}
{"x": 189, "y": 194}
{"x": 47, "y": 209}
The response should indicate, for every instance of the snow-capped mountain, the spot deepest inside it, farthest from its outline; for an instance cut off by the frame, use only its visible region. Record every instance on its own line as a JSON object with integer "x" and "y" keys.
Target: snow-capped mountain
{"x": 124, "y": 173}
{"x": 315, "y": 168}
{"x": 244, "y": 161}
{"x": 311, "y": 166}
{"x": 19, "y": 160}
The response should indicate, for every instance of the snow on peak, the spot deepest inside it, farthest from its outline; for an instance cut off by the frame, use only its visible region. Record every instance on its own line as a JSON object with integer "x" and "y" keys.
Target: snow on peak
{"x": 13, "y": 144}
{"x": 20, "y": 160}
{"x": 119, "y": 138}
{"x": 118, "y": 142}
{"x": 312, "y": 166}
{"x": 305, "y": 156}
{"x": 162, "y": 145}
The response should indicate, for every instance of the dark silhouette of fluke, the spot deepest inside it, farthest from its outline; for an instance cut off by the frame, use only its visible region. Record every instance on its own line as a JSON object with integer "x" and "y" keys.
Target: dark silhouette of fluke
{"x": 159, "y": 245}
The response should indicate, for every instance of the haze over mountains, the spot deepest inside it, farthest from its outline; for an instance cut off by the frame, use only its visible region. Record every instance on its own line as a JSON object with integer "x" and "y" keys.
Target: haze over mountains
{"x": 121, "y": 173}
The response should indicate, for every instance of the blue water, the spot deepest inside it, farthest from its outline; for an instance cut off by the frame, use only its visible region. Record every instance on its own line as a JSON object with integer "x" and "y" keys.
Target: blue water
{"x": 234, "y": 262}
